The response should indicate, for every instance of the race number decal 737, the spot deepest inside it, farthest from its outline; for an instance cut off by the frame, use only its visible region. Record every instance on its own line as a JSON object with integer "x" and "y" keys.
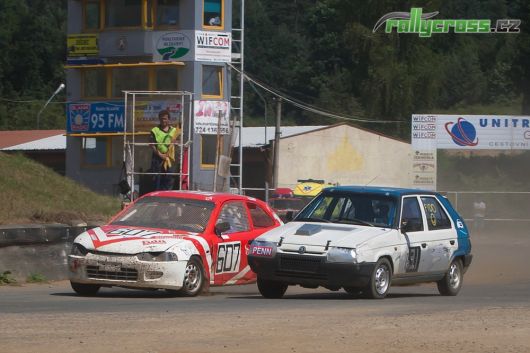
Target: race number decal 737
{"x": 228, "y": 257}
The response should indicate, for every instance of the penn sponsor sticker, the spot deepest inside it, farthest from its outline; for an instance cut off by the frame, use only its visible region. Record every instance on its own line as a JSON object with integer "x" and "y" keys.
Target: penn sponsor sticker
{"x": 258, "y": 250}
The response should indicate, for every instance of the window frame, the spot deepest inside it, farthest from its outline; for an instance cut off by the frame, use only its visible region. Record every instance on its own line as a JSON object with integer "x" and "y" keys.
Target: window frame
{"x": 100, "y": 16}
{"x": 206, "y": 165}
{"x": 108, "y": 153}
{"x": 422, "y": 214}
{"x": 221, "y": 82}
{"x": 442, "y": 211}
{"x": 152, "y": 81}
{"x": 254, "y": 206}
{"x": 154, "y": 20}
{"x": 222, "y": 25}
{"x": 245, "y": 211}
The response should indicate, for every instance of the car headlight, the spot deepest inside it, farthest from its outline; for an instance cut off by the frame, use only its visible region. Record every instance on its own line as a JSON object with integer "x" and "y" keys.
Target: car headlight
{"x": 157, "y": 256}
{"x": 78, "y": 250}
{"x": 342, "y": 255}
{"x": 262, "y": 248}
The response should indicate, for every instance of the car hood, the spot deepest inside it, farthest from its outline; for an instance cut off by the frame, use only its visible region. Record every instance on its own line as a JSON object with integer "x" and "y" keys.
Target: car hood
{"x": 322, "y": 234}
{"x": 131, "y": 240}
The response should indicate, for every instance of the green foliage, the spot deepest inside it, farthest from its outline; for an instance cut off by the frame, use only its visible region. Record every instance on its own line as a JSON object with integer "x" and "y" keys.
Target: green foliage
{"x": 36, "y": 278}
{"x": 7, "y": 278}
{"x": 33, "y": 46}
{"x": 326, "y": 54}
{"x": 33, "y": 192}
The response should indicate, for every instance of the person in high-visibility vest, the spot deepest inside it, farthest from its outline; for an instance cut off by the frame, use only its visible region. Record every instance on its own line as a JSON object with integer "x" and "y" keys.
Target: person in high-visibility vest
{"x": 162, "y": 138}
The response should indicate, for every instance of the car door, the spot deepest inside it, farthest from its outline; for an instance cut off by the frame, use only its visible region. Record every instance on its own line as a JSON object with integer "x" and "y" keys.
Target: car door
{"x": 230, "y": 262}
{"x": 441, "y": 238}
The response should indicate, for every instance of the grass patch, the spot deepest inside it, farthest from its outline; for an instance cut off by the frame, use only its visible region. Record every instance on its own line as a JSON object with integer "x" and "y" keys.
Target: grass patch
{"x": 36, "y": 278}
{"x": 34, "y": 193}
{"x": 7, "y": 278}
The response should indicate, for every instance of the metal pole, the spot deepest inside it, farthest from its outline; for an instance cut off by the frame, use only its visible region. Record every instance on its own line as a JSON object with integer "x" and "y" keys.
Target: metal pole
{"x": 241, "y": 88}
{"x": 277, "y": 134}
{"x": 217, "y": 154}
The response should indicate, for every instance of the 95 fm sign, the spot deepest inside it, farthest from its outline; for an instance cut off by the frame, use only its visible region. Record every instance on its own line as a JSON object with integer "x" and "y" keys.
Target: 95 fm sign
{"x": 95, "y": 117}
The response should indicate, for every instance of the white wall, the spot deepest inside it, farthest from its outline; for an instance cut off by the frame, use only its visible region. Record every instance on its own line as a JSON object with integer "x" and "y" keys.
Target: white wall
{"x": 346, "y": 155}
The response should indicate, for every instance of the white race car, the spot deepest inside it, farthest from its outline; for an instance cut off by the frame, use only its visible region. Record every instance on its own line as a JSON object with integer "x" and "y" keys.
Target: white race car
{"x": 364, "y": 239}
{"x": 172, "y": 240}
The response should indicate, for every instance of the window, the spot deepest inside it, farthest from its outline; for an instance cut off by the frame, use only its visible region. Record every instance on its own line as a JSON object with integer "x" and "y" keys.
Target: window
{"x": 95, "y": 80}
{"x": 166, "y": 79}
{"x": 412, "y": 215}
{"x": 208, "y": 150}
{"x": 167, "y": 12}
{"x": 260, "y": 218}
{"x": 123, "y": 13}
{"x": 235, "y": 214}
{"x": 129, "y": 79}
{"x": 95, "y": 151}
{"x": 436, "y": 216}
{"x": 212, "y": 83}
{"x": 213, "y": 13}
{"x": 92, "y": 15}
{"x": 94, "y": 83}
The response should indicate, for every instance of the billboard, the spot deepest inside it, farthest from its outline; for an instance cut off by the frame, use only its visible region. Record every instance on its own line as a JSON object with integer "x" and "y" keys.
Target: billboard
{"x": 84, "y": 117}
{"x": 206, "y": 115}
{"x": 471, "y": 132}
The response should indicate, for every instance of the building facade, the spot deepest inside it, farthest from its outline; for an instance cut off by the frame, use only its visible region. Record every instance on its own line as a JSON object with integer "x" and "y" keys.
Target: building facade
{"x": 145, "y": 45}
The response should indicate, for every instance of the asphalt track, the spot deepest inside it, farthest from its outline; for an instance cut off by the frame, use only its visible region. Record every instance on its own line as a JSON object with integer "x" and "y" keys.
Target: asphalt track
{"x": 496, "y": 294}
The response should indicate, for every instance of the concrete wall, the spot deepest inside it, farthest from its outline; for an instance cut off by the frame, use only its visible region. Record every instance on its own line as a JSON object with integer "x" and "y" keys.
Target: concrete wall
{"x": 345, "y": 155}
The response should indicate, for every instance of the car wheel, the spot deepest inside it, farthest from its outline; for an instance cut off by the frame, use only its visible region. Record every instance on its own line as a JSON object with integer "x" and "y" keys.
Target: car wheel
{"x": 379, "y": 280}
{"x": 193, "y": 278}
{"x": 271, "y": 289}
{"x": 87, "y": 290}
{"x": 353, "y": 291}
{"x": 453, "y": 279}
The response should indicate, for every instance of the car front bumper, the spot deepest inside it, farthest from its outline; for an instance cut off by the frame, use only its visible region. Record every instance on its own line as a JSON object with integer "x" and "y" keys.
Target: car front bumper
{"x": 126, "y": 271}
{"x": 309, "y": 270}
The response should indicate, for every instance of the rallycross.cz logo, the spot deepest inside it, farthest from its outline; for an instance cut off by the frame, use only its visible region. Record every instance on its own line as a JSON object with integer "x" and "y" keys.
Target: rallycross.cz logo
{"x": 417, "y": 22}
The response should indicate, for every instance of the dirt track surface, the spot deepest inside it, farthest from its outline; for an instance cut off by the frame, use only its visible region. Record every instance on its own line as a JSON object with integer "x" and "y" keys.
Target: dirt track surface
{"x": 491, "y": 314}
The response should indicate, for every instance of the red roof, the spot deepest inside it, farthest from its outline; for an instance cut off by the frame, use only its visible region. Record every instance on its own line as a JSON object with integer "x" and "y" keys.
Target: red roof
{"x": 17, "y": 137}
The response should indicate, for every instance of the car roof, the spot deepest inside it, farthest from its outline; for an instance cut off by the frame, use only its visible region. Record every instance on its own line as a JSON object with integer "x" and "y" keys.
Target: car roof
{"x": 201, "y": 195}
{"x": 383, "y": 190}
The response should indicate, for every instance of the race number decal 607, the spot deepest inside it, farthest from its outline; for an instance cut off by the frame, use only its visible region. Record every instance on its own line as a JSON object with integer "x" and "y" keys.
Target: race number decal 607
{"x": 228, "y": 257}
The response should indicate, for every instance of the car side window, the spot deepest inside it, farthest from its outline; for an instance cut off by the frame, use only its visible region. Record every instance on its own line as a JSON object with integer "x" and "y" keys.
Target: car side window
{"x": 260, "y": 218}
{"x": 235, "y": 214}
{"x": 411, "y": 214}
{"x": 436, "y": 216}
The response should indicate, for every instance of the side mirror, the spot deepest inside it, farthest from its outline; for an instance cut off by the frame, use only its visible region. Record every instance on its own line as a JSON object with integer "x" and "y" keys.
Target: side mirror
{"x": 221, "y": 228}
{"x": 405, "y": 226}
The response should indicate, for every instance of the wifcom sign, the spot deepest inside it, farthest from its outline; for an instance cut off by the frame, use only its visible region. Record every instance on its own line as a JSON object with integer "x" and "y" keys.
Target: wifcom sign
{"x": 95, "y": 117}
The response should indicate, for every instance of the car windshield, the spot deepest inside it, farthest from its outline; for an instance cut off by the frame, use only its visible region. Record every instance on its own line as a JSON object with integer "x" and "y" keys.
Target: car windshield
{"x": 167, "y": 213}
{"x": 351, "y": 208}
{"x": 287, "y": 204}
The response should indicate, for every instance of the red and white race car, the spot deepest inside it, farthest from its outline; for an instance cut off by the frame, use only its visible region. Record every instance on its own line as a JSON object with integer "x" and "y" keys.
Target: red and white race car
{"x": 174, "y": 240}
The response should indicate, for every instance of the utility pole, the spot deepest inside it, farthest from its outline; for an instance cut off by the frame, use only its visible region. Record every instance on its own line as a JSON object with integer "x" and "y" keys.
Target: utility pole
{"x": 277, "y": 134}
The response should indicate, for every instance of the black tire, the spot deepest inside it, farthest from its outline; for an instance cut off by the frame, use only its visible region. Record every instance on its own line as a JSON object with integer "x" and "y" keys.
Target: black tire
{"x": 452, "y": 282}
{"x": 353, "y": 291}
{"x": 86, "y": 290}
{"x": 193, "y": 278}
{"x": 271, "y": 289}
{"x": 380, "y": 280}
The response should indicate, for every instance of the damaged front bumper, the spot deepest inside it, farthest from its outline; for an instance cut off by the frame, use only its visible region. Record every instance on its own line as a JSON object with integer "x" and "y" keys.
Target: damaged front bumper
{"x": 126, "y": 271}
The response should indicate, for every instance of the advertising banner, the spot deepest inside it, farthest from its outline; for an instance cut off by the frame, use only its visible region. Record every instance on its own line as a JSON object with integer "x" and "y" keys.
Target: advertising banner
{"x": 213, "y": 46}
{"x": 78, "y": 45}
{"x": 95, "y": 117}
{"x": 146, "y": 113}
{"x": 173, "y": 46}
{"x": 471, "y": 132}
{"x": 206, "y": 117}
